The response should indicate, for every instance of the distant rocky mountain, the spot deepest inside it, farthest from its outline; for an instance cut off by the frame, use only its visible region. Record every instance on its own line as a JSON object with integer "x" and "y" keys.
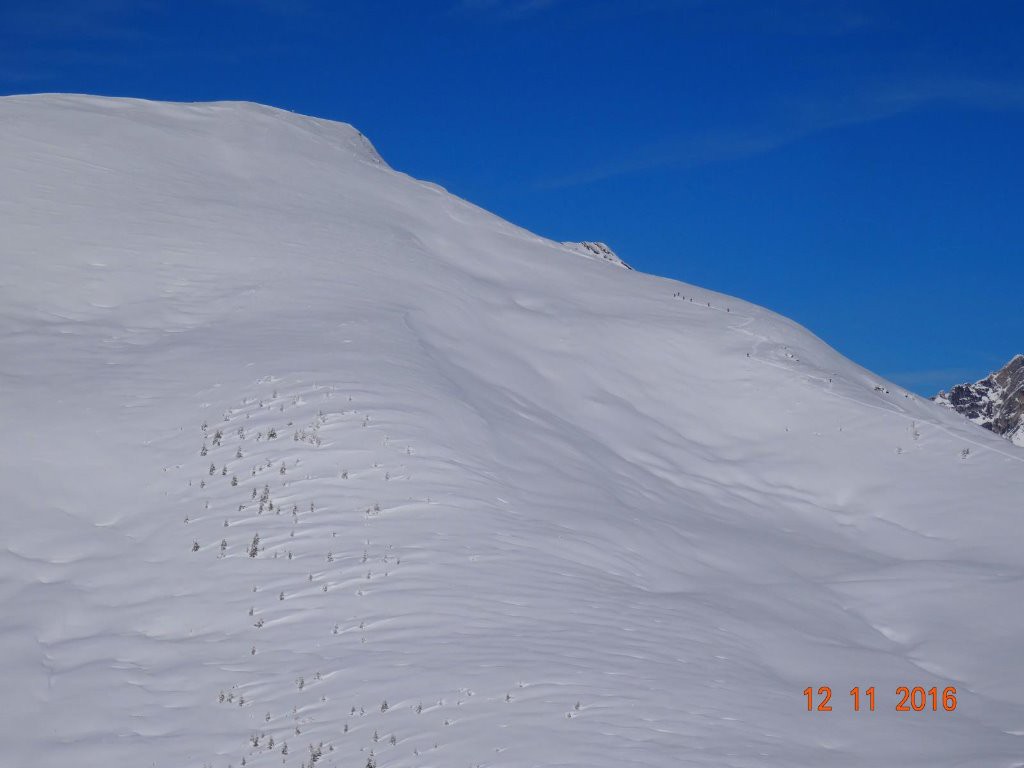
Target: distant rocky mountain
{"x": 996, "y": 402}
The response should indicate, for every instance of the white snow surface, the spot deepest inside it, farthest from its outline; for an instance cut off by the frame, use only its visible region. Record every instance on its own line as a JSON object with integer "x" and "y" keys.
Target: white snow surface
{"x": 515, "y": 480}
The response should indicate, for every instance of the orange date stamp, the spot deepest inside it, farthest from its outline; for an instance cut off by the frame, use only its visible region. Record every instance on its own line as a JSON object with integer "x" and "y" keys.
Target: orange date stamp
{"x": 908, "y": 699}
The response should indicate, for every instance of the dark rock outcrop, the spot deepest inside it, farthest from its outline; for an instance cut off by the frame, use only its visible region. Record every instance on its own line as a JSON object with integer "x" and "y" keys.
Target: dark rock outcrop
{"x": 996, "y": 402}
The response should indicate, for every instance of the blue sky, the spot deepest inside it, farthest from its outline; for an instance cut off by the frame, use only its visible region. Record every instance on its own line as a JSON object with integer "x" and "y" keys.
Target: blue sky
{"x": 857, "y": 166}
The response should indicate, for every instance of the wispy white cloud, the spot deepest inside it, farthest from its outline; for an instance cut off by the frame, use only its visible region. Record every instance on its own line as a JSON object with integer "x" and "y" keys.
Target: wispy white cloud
{"x": 506, "y": 9}
{"x": 798, "y": 120}
{"x": 23, "y": 75}
{"x": 92, "y": 20}
{"x": 784, "y": 17}
{"x": 277, "y": 7}
{"x": 55, "y": 37}
{"x": 71, "y": 19}
{"x": 514, "y": 10}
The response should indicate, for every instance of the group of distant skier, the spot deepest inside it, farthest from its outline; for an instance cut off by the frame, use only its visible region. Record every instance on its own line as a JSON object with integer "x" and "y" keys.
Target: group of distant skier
{"x": 679, "y": 295}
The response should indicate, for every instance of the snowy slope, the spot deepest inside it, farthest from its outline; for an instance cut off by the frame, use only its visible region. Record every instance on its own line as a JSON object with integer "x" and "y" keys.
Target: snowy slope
{"x": 506, "y": 480}
{"x": 995, "y": 402}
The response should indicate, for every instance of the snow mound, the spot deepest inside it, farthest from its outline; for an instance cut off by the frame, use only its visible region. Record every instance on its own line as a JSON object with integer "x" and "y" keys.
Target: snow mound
{"x": 594, "y": 250}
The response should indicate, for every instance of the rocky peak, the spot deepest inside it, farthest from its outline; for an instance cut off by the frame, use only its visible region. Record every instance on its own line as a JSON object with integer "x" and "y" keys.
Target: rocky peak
{"x": 996, "y": 402}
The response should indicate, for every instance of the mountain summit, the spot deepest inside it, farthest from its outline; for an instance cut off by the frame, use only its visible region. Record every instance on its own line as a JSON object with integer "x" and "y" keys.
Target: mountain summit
{"x": 306, "y": 461}
{"x": 995, "y": 402}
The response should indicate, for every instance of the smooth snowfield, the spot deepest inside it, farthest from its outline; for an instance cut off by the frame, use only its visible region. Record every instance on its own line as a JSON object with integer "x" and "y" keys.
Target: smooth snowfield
{"x": 507, "y": 480}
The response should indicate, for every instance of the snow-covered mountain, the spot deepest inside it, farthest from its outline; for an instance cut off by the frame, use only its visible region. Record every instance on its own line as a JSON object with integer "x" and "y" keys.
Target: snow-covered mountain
{"x": 305, "y": 461}
{"x": 995, "y": 403}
